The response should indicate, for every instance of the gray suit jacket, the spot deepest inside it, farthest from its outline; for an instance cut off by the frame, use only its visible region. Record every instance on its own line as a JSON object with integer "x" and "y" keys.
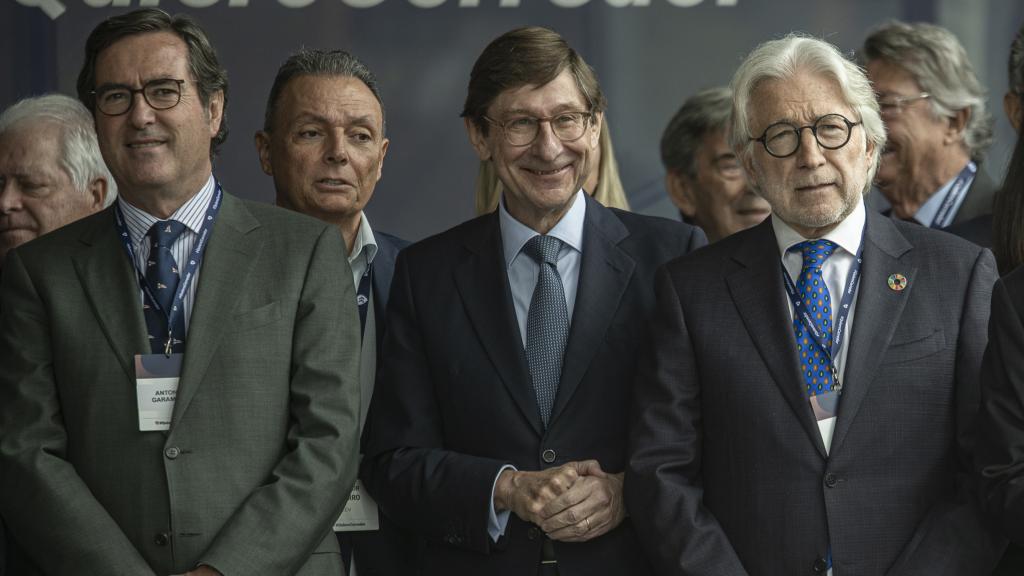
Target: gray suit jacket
{"x": 263, "y": 442}
{"x": 728, "y": 474}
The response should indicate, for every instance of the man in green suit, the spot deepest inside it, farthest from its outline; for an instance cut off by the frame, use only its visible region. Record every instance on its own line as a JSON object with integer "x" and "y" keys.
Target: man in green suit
{"x": 179, "y": 391}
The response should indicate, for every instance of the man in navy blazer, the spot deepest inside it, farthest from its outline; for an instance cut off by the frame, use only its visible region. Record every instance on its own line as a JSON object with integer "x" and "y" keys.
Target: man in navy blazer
{"x": 497, "y": 429}
{"x": 811, "y": 400}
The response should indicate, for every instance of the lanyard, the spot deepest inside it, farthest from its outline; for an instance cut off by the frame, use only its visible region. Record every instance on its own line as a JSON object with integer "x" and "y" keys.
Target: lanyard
{"x": 363, "y": 296}
{"x": 195, "y": 258}
{"x": 944, "y": 217}
{"x": 839, "y": 328}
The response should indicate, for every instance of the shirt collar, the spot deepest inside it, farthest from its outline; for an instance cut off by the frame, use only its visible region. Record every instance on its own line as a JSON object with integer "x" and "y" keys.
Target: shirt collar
{"x": 364, "y": 241}
{"x": 847, "y": 235}
{"x": 927, "y": 212}
{"x": 191, "y": 213}
{"x": 515, "y": 234}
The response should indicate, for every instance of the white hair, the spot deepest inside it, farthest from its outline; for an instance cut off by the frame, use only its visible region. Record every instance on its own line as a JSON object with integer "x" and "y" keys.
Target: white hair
{"x": 785, "y": 59}
{"x": 80, "y": 151}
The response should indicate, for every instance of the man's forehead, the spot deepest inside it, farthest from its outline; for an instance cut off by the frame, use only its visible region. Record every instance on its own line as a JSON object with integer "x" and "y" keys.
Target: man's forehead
{"x": 139, "y": 58}
{"x": 802, "y": 98}
{"x": 329, "y": 98}
{"x": 561, "y": 93}
{"x": 31, "y": 144}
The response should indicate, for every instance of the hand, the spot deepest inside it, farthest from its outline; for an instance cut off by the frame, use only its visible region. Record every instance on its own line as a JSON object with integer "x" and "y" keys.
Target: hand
{"x": 591, "y": 507}
{"x": 527, "y": 493}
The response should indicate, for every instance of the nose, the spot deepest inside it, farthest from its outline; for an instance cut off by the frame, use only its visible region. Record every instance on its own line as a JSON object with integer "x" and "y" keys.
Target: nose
{"x": 141, "y": 113}
{"x": 547, "y": 146}
{"x": 10, "y": 196}
{"x": 810, "y": 154}
{"x": 336, "y": 152}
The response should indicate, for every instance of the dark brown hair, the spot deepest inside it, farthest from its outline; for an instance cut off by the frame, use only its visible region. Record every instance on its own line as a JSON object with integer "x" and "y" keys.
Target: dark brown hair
{"x": 206, "y": 70}
{"x": 521, "y": 57}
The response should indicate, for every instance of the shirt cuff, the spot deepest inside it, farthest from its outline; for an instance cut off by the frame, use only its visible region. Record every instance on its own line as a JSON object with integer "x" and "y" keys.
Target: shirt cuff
{"x": 497, "y": 521}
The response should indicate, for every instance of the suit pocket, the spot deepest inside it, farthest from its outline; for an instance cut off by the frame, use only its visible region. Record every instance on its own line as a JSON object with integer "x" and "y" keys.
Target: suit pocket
{"x": 258, "y": 317}
{"x": 915, "y": 348}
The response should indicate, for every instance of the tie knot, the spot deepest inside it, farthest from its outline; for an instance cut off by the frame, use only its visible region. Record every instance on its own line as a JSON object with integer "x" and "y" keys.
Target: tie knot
{"x": 543, "y": 249}
{"x": 815, "y": 252}
{"x": 165, "y": 232}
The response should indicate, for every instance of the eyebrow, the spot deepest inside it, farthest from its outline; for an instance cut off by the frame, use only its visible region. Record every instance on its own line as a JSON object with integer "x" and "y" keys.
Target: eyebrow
{"x": 110, "y": 85}
{"x": 557, "y": 110}
{"x": 365, "y": 120}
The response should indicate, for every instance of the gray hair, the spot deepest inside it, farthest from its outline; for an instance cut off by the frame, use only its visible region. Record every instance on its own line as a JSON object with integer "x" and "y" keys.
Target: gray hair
{"x": 784, "y": 59}
{"x": 705, "y": 112}
{"x": 315, "y": 62}
{"x": 80, "y": 151}
{"x": 939, "y": 64}
{"x": 1016, "y": 63}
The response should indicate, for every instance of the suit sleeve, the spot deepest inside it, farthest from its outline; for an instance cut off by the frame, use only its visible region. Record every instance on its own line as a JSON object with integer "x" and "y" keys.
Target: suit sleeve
{"x": 441, "y": 494}
{"x": 954, "y": 537}
{"x": 280, "y": 524}
{"x": 1000, "y": 456}
{"x": 42, "y": 498}
{"x": 663, "y": 486}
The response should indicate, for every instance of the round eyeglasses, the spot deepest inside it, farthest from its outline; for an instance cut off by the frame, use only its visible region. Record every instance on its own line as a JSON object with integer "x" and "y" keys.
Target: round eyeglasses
{"x": 523, "y": 130}
{"x": 782, "y": 139}
{"x": 160, "y": 94}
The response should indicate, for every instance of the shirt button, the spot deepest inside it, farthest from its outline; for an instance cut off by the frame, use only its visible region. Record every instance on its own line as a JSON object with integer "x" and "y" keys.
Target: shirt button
{"x": 548, "y": 456}
{"x": 820, "y": 566}
{"x": 172, "y": 452}
{"x": 162, "y": 539}
{"x": 831, "y": 480}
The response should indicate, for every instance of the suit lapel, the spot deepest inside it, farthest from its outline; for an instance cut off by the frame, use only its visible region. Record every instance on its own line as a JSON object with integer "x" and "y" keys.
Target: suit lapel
{"x": 605, "y": 272}
{"x": 111, "y": 285}
{"x": 383, "y": 270}
{"x": 227, "y": 263}
{"x": 482, "y": 282}
{"x": 757, "y": 290}
{"x": 875, "y": 318}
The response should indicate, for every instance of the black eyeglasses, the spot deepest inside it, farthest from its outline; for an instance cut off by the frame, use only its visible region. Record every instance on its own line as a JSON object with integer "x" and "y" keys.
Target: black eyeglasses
{"x": 160, "y": 94}
{"x": 523, "y": 130}
{"x": 782, "y": 139}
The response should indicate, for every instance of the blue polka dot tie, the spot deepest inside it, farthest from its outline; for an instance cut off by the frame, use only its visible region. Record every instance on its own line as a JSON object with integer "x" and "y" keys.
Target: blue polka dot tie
{"x": 815, "y": 363}
{"x": 547, "y": 324}
{"x": 162, "y": 276}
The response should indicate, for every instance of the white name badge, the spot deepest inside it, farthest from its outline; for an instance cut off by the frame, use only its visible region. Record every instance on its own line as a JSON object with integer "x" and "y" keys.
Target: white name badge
{"x": 360, "y": 512}
{"x": 156, "y": 388}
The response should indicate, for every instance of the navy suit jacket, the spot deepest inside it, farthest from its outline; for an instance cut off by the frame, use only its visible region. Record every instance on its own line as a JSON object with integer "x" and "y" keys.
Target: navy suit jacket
{"x": 454, "y": 401}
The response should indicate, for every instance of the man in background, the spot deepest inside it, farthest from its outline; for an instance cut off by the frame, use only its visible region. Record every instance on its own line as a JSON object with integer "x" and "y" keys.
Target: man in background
{"x": 703, "y": 177}
{"x": 323, "y": 143}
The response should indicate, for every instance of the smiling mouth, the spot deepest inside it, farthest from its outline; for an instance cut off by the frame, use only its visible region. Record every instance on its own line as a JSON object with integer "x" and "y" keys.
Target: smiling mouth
{"x": 145, "y": 144}
{"x": 548, "y": 172}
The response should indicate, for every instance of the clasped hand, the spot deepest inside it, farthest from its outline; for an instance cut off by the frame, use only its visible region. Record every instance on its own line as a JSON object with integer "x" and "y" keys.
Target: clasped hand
{"x": 574, "y": 502}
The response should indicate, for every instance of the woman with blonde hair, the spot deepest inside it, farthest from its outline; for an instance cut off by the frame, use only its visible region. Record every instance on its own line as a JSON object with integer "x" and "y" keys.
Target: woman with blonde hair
{"x": 602, "y": 182}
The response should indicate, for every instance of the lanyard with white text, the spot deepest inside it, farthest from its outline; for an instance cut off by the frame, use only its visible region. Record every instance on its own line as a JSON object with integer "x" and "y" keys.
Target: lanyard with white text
{"x": 195, "y": 258}
{"x": 944, "y": 217}
{"x": 839, "y": 327}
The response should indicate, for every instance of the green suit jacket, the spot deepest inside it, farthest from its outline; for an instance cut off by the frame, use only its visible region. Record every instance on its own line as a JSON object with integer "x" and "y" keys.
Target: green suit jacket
{"x": 262, "y": 449}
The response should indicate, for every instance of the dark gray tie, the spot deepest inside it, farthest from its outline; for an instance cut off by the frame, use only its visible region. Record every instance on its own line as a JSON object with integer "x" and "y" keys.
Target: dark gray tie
{"x": 547, "y": 325}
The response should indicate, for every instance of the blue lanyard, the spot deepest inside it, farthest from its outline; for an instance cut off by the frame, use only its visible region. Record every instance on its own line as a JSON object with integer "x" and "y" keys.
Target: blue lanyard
{"x": 195, "y": 258}
{"x": 839, "y": 327}
{"x": 944, "y": 217}
{"x": 363, "y": 295}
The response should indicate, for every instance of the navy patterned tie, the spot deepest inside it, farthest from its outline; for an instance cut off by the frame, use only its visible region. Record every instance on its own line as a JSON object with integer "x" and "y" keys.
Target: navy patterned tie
{"x": 162, "y": 276}
{"x": 815, "y": 363}
{"x": 547, "y": 325}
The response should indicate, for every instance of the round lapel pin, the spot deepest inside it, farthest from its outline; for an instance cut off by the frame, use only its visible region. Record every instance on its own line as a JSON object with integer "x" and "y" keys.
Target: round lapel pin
{"x": 897, "y": 282}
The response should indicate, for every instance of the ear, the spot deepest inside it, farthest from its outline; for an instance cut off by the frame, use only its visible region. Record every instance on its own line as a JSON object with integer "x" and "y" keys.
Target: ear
{"x": 1012, "y": 107}
{"x": 383, "y": 153}
{"x": 263, "y": 149}
{"x": 681, "y": 191}
{"x": 215, "y": 111}
{"x": 478, "y": 140}
{"x": 746, "y": 157}
{"x": 595, "y": 130}
{"x": 97, "y": 192}
{"x": 955, "y": 126}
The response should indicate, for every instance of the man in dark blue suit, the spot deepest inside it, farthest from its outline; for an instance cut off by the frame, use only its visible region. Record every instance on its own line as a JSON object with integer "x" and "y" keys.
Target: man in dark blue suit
{"x": 323, "y": 142}
{"x": 498, "y": 425}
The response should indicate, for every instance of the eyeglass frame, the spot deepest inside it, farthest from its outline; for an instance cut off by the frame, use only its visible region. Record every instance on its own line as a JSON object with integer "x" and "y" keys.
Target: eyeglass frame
{"x": 800, "y": 131}
{"x": 588, "y": 117}
{"x": 133, "y": 91}
{"x": 896, "y": 103}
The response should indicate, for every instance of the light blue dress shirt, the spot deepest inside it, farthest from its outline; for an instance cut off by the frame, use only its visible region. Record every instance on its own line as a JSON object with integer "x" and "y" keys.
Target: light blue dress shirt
{"x": 926, "y": 214}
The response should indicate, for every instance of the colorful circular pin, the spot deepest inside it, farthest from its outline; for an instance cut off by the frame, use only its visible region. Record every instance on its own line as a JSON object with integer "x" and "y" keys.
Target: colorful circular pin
{"x": 897, "y": 282}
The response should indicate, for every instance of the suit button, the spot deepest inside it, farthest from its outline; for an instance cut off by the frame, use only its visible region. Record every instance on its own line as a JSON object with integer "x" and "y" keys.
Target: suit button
{"x": 172, "y": 452}
{"x": 533, "y": 533}
{"x": 548, "y": 456}
{"x": 831, "y": 480}
{"x": 820, "y": 566}
{"x": 162, "y": 539}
